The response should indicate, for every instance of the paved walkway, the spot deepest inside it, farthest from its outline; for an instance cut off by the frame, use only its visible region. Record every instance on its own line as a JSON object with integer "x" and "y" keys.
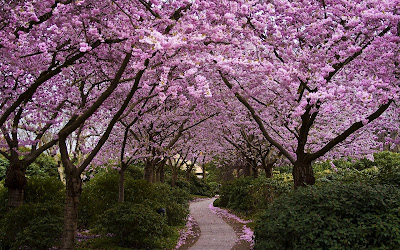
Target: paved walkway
{"x": 216, "y": 234}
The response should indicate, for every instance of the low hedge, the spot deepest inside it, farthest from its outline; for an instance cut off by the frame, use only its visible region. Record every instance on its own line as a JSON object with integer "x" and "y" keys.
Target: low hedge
{"x": 332, "y": 216}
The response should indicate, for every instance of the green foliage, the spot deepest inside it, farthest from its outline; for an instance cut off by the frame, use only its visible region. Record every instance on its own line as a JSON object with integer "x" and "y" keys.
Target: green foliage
{"x": 44, "y": 189}
{"x": 249, "y": 195}
{"x": 332, "y": 216}
{"x": 3, "y": 167}
{"x": 135, "y": 171}
{"x": 389, "y": 166}
{"x": 135, "y": 225}
{"x": 101, "y": 193}
{"x": 37, "y": 225}
{"x": 44, "y": 165}
{"x": 3, "y": 200}
{"x": 236, "y": 194}
{"x": 200, "y": 187}
{"x": 98, "y": 195}
{"x": 176, "y": 213}
{"x": 217, "y": 202}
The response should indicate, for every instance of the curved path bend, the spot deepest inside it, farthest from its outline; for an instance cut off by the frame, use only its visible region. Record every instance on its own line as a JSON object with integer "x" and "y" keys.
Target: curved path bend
{"x": 216, "y": 234}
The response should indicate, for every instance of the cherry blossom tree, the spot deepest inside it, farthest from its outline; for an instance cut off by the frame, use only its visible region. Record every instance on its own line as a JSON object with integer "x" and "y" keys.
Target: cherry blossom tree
{"x": 320, "y": 73}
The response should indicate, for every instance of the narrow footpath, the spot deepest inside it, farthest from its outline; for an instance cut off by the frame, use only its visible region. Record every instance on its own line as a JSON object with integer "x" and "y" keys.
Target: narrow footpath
{"x": 216, "y": 234}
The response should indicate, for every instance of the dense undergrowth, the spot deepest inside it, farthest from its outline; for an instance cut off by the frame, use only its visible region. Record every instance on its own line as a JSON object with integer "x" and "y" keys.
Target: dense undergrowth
{"x": 103, "y": 222}
{"x": 355, "y": 204}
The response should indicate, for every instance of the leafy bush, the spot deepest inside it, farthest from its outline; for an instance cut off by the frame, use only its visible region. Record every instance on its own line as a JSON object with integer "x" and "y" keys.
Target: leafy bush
{"x": 44, "y": 165}
{"x": 135, "y": 171}
{"x": 3, "y": 167}
{"x": 200, "y": 187}
{"x": 135, "y": 225}
{"x": 101, "y": 193}
{"x": 44, "y": 189}
{"x": 3, "y": 200}
{"x": 249, "y": 195}
{"x": 217, "y": 202}
{"x": 37, "y": 225}
{"x": 333, "y": 216}
{"x": 389, "y": 166}
{"x": 236, "y": 194}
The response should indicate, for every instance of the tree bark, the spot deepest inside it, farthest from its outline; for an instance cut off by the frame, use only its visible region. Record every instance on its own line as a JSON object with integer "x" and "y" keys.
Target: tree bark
{"x": 268, "y": 170}
{"x": 174, "y": 177}
{"x": 162, "y": 173}
{"x": 254, "y": 169}
{"x": 15, "y": 182}
{"x": 187, "y": 174}
{"x": 148, "y": 171}
{"x": 303, "y": 174}
{"x": 73, "y": 192}
{"x": 121, "y": 186}
{"x": 246, "y": 170}
{"x": 157, "y": 174}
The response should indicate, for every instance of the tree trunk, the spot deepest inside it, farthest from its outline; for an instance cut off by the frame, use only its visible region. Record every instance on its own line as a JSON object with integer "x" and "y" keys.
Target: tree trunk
{"x": 162, "y": 173}
{"x": 157, "y": 173}
{"x": 148, "y": 171}
{"x": 268, "y": 170}
{"x": 15, "y": 182}
{"x": 203, "y": 169}
{"x": 15, "y": 197}
{"x": 247, "y": 170}
{"x": 73, "y": 192}
{"x": 121, "y": 190}
{"x": 303, "y": 174}
{"x": 174, "y": 177}
{"x": 187, "y": 174}
{"x": 254, "y": 169}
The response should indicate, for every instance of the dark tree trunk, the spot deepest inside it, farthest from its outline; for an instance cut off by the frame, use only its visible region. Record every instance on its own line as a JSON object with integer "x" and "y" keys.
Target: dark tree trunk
{"x": 254, "y": 169}
{"x": 121, "y": 186}
{"x": 162, "y": 173}
{"x": 268, "y": 170}
{"x": 187, "y": 174}
{"x": 157, "y": 174}
{"x": 73, "y": 192}
{"x": 203, "y": 169}
{"x": 174, "y": 177}
{"x": 303, "y": 174}
{"x": 15, "y": 182}
{"x": 247, "y": 170}
{"x": 148, "y": 171}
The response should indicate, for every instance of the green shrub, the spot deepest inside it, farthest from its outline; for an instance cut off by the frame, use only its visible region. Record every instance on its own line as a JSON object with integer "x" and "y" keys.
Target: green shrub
{"x": 217, "y": 202}
{"x": 44, "y": 189}
{"x": 101, "y": 193}
{"x": 37, "y": 225}
{"x": 176, "y": 214}
{"x": 135, "y": 171}
{"x": 3, "y": 200}
{"x": 135, "y": 225}
{"x": 333, "y": 216}
{"x": 250, "y": 195}
{"x": 236, "y": 194}
{"x": 389, "y": 166}
{"x": 44, "y": 165}
{"x": 200, "y": 187}
{"x": 3, "y": 167}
